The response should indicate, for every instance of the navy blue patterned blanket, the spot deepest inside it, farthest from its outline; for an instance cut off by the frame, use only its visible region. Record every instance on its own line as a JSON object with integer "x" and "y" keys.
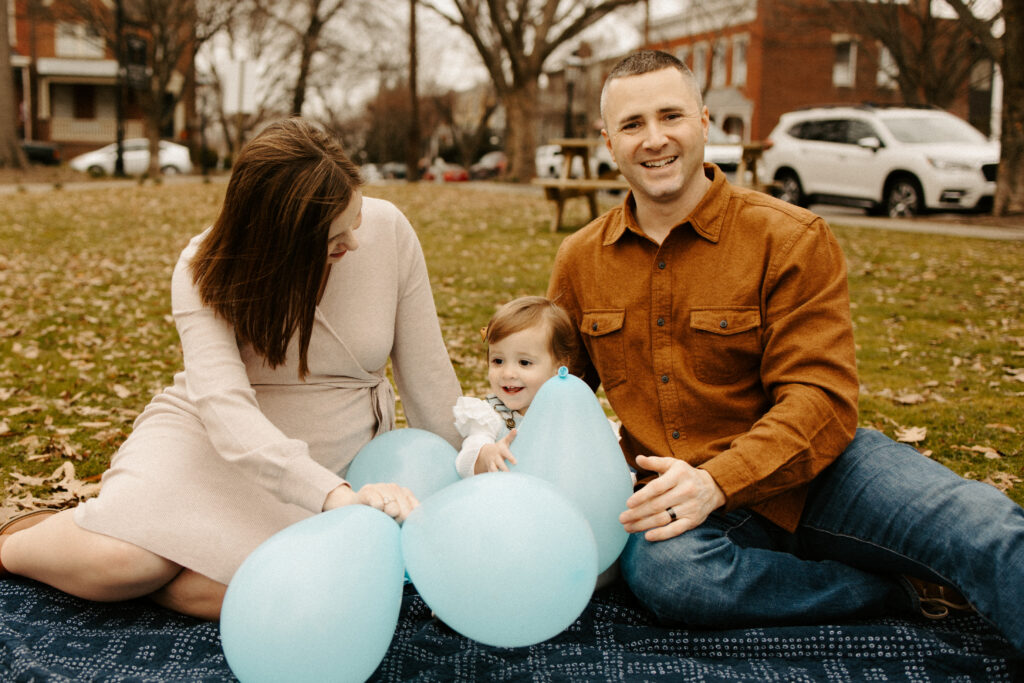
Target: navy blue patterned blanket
{"x": 48, "y": 636}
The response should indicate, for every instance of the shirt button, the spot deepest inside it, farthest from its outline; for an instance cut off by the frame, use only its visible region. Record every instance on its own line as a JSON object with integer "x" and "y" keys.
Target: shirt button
{"x": 594, "y": 327}
{"x": 664, "y": 379}
{"x": 724, "y": 324}
{"x": 661, "y": 322}
{"x": 675, "y": 435}
{"x": 661, "y": 265}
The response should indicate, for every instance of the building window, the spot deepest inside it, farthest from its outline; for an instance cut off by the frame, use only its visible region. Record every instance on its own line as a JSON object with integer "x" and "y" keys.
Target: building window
{"x": 79, "y": 41}
{"x": 739, "y": 59}
{"x": 845, "y": 65}
{"x": 887, "y": 69}
{"x": 719, "y": 73}
{"x": 700, "y": 65}
{"x": 683, "y": 54}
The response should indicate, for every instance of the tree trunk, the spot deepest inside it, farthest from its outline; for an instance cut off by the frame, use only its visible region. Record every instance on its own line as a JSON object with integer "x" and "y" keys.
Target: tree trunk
{"x": 1010, "y": 186}
{"x": 11, "y": 153}
{"x": 153, "y": 121}
{"x": 520, "y": 108}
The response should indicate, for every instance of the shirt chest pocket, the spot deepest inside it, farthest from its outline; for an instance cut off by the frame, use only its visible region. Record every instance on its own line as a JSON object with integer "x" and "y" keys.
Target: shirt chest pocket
{"x": 725, "y": 343}
{"x": 604, "y": 339}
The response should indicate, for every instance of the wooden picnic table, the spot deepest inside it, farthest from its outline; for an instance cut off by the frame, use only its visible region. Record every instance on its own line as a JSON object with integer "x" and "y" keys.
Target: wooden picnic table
{"x": 565, "y": 187}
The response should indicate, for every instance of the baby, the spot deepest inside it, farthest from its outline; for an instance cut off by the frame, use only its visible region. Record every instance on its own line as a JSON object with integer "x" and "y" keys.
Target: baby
{"x": 528, "y": 339}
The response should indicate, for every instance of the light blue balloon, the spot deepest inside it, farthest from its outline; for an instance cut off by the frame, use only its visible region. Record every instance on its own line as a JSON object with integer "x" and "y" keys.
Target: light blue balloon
{"x": 566, "y": 439}
{"x": 317, "y": 601}
{"x": 419, "y": 460}
{"x": 502, "y": 558}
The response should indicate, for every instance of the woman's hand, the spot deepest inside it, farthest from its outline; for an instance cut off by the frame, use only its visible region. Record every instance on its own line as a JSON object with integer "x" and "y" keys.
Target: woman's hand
{"x": 391, "y": 499}
{"x": 691, "y": 494}
{"x": 492, "y": 456}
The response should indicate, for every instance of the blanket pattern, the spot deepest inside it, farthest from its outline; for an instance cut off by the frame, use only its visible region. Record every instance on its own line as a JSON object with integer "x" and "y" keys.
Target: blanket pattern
{"x": 46, "y": 635}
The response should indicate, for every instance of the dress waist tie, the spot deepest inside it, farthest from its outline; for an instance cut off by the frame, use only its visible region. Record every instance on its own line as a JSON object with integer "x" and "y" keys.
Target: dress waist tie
{"x": 382, "y": 397}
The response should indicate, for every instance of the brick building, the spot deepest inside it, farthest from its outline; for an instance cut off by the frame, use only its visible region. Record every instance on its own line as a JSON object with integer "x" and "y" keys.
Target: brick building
{"x": 65, "y": 81}
{"x": 757, "y": 59}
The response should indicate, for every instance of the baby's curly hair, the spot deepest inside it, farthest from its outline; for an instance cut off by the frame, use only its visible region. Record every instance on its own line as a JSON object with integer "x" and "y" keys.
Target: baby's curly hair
{"x": 527, "y": 311}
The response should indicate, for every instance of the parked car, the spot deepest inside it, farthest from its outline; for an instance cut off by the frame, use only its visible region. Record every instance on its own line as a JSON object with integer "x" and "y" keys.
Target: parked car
{"x": 490, "y": 165}
{"x": 370, "y": 173}
{"x": 449, "y": 173}
{"x": 39, "y": 152}
{"x": 900, "y": 161}
{"x": 722, "y": 148}
{"x": 174, "y": 158}
{"x": 393, "y": 170}
{"x": 548, "y": 161}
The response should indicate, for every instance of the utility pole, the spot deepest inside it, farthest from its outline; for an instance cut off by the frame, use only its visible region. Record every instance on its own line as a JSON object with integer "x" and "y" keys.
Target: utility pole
{"x": 412, "y": 153}
{"x": 119, "y": 90}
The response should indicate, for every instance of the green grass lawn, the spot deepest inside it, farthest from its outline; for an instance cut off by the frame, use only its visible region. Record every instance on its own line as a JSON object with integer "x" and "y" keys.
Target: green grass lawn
{"x": 86, "y": 337}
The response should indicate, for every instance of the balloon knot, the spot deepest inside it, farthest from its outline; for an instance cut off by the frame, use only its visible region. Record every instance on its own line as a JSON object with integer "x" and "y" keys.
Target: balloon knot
{"x": 563, "y": 372}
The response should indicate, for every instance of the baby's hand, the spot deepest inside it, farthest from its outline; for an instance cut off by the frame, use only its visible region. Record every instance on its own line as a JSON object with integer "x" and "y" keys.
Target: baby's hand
{"x": 492, "y": 456}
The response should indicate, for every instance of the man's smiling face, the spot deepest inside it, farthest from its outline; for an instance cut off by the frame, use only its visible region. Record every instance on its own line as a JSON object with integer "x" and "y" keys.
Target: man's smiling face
{"x": 655, "y": 128}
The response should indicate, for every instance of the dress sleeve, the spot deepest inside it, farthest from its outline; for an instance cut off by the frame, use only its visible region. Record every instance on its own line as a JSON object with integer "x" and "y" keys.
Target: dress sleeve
{"x": 477, "y": 422}
{"x": 219, "y": 389}
{"x": 422, "y": 369}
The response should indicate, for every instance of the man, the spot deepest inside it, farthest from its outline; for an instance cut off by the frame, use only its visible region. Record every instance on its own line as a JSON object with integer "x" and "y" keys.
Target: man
{"x": 717, "y": 319}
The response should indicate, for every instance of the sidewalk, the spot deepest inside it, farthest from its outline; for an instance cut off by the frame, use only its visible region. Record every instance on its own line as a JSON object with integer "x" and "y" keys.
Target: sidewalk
{"x": 956, "y": 225}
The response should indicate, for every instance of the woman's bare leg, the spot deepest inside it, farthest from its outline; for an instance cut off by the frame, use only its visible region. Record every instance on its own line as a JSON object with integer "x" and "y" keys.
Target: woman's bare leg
{"x": 193, "y": 594}
{"x": 62, "y": 554}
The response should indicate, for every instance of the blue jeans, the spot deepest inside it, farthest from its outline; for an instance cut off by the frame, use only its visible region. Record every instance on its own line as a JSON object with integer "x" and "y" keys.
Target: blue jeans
{"x": 879, "y": 511}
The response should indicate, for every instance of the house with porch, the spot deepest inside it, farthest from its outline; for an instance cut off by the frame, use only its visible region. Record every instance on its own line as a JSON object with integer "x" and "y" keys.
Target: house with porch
{"x": 66, "y": 80}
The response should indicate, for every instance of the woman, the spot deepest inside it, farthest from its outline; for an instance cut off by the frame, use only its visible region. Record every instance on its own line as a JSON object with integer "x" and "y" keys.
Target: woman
{"x": 286, "y": 329}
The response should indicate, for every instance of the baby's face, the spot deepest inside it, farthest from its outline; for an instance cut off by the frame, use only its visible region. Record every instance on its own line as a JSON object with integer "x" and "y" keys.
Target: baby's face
{"x": 518, "y": 365}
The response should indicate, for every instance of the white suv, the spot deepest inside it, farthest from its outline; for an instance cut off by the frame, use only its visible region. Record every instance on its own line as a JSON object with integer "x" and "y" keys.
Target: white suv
{"x": 899, "y": 161}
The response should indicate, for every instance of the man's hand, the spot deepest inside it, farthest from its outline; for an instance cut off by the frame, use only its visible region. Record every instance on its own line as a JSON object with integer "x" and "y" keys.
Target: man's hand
{"x": 690, "y": 492}
{"x": 492, "y": 456}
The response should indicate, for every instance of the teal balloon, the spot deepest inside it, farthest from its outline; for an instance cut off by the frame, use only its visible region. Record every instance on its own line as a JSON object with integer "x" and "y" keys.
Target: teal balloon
{"x": 317, "y": 601}
{"x": 502, "y": 558}
{"x": 566, "y": 439}
{"x": 419, "y": 460}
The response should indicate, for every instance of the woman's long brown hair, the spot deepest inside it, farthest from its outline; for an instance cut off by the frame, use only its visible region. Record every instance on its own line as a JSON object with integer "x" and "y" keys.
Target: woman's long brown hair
{"x": 262, "y": 264}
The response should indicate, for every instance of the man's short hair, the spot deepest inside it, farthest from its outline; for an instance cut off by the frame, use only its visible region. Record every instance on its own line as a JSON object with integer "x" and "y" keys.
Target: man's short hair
{"x": 646, "y": 61}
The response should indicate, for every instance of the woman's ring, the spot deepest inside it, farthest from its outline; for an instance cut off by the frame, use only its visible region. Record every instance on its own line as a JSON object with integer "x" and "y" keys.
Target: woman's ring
{"x": 671, "y": 513}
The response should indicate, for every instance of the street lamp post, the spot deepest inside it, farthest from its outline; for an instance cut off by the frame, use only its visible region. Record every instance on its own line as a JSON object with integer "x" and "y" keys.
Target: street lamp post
{"x": 570, "y": 88}
{"x": 119, "y": 90}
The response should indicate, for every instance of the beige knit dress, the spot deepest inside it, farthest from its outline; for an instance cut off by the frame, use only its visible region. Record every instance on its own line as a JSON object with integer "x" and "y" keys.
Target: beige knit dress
{"x": 235, "y": 451}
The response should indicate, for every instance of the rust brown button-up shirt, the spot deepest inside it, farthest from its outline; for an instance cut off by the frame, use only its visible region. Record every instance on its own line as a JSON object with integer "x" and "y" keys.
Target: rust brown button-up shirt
{"x": 729, "y": 346}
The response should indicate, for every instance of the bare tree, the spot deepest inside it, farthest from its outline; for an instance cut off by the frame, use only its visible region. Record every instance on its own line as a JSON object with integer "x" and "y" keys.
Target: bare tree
{"x": 172, "y": 31}
{"x": 1008, "y": 52}
{"x": 514, "y": 41}
{"x": 323, "y": 39}
{"x": 247, "y": 39}
{"x": 468, "y": 138}
{"x": 11, "y": 153}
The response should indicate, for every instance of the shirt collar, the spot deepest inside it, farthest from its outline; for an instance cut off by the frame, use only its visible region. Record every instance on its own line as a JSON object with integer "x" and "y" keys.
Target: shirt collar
{"x": 706, "y": 218}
